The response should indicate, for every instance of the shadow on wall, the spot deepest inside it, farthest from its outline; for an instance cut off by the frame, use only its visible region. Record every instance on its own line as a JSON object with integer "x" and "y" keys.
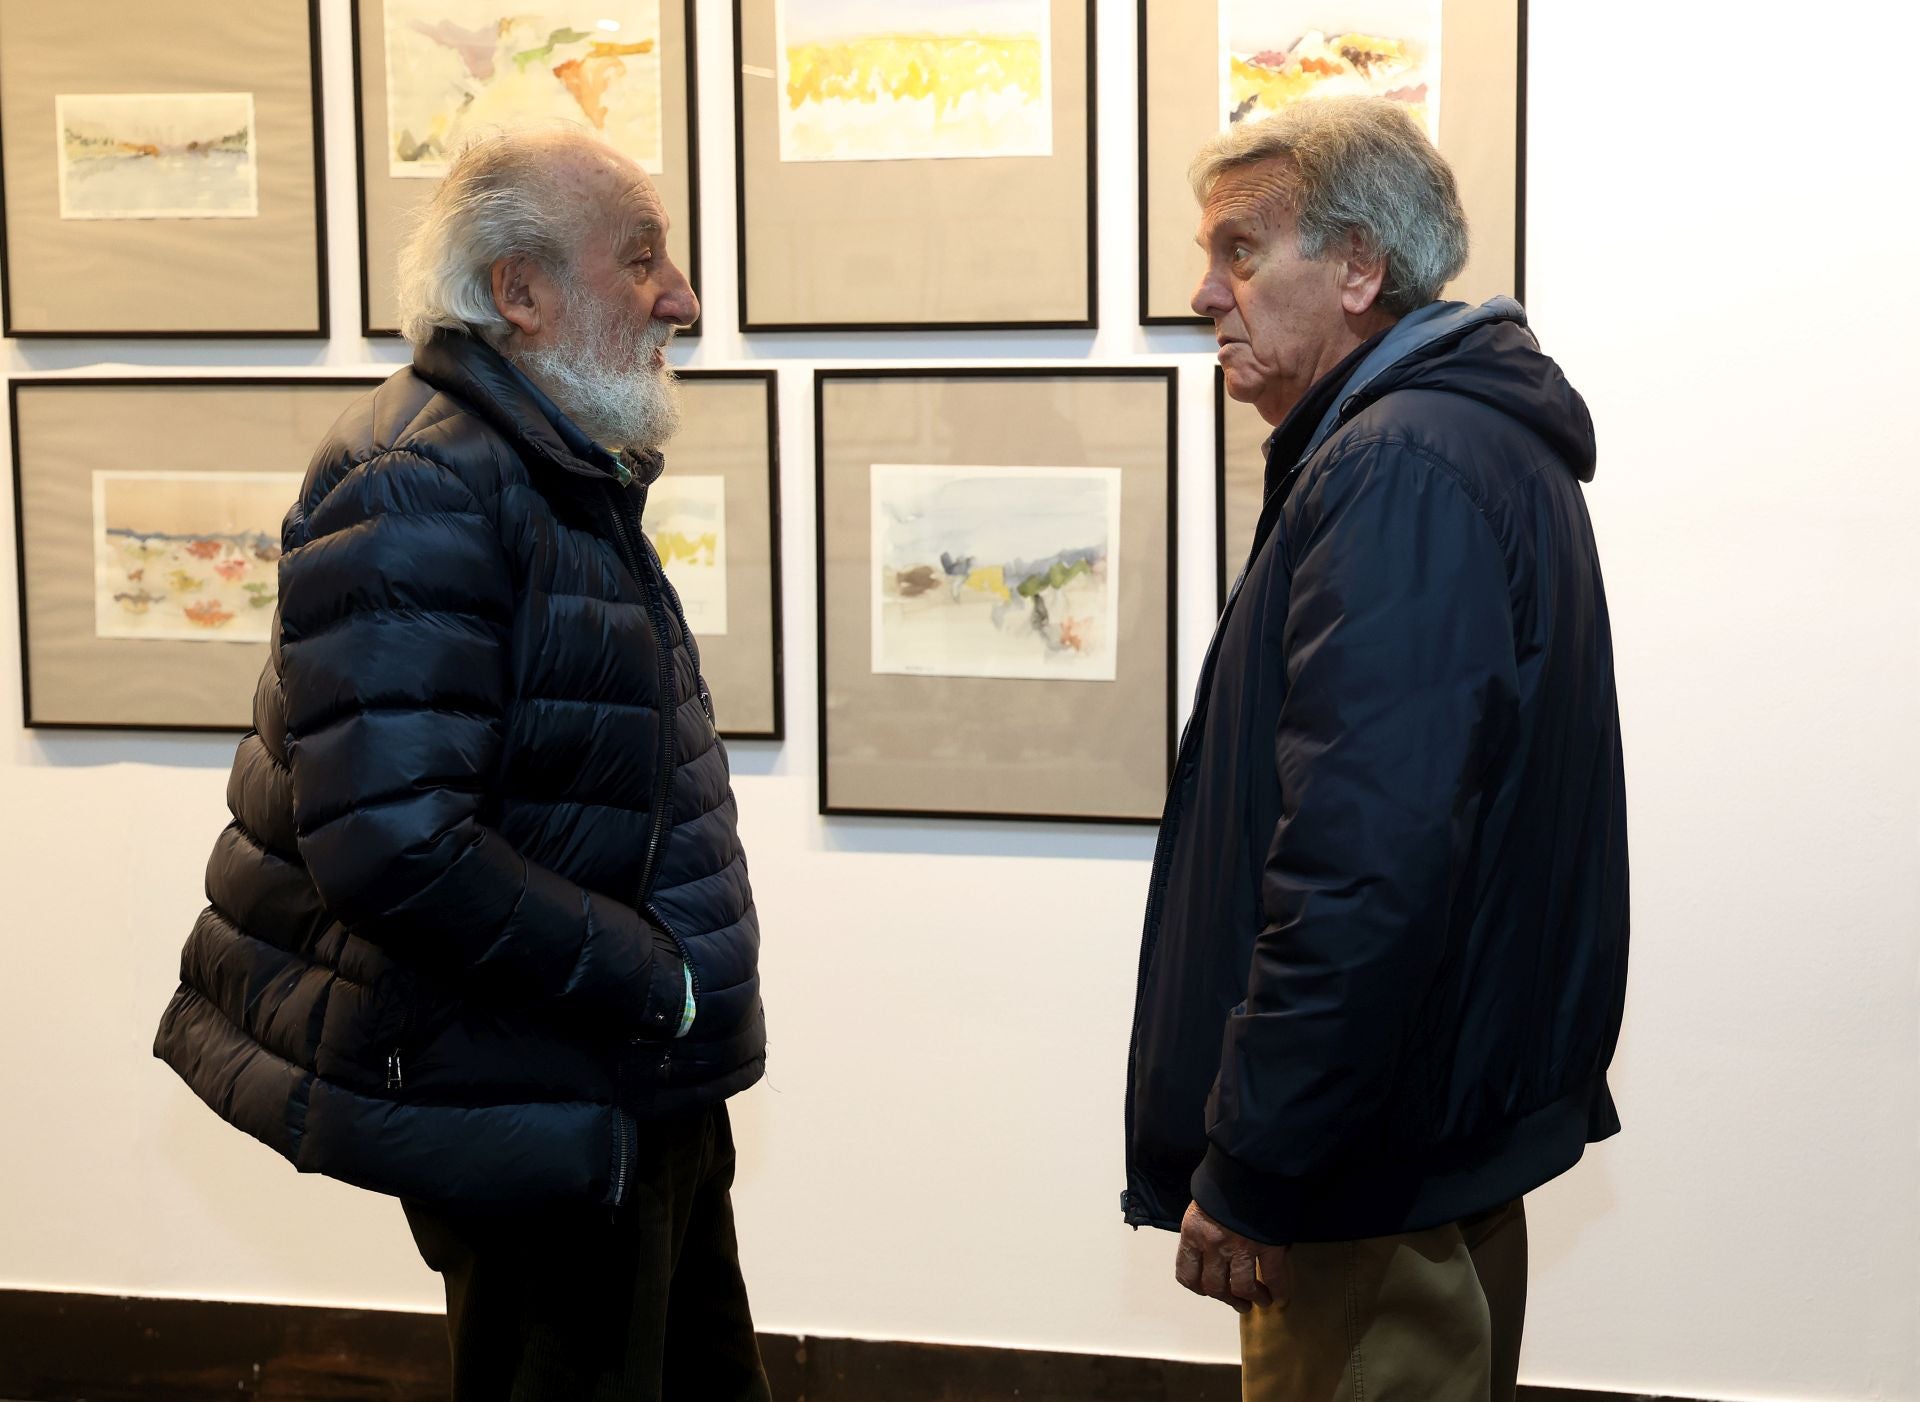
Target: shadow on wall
{"x": 52, "y": 749}
{"x": 972, "y": 837}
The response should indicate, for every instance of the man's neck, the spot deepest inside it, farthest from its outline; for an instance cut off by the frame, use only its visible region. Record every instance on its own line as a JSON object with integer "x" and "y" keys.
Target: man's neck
{"x": 1281, "y": 400}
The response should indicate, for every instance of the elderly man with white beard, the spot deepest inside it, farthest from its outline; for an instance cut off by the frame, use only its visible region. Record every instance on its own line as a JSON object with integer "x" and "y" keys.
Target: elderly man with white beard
{"x": 480, "y": 934}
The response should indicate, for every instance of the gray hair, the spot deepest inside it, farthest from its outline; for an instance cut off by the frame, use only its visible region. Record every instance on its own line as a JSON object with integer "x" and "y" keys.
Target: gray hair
{"x": 499, "y": 198}
{"x": 1356, "y": 166}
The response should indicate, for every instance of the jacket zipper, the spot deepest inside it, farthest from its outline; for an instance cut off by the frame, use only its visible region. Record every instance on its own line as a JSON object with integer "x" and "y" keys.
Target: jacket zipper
{"x": 669, "y": 701}
{"x": 653, "y": 585}
{"x": 622, "y": 1153}
{"x": 1170, "y": 821}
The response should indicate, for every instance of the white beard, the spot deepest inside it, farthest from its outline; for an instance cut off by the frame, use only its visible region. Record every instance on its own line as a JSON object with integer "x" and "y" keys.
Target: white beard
{"x": 603, "y": 378}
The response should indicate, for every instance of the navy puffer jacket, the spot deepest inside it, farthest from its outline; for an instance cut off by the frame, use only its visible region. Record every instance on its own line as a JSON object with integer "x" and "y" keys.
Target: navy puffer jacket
{"x": 481, "y": 822}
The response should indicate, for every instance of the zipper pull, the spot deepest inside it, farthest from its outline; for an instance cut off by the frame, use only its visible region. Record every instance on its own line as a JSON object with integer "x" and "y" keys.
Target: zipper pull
{"x": 393, "y": 1069}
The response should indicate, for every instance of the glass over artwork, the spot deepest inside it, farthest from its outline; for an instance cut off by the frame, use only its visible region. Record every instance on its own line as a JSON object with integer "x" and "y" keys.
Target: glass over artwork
{"x": 881, "y": 80}
{"x": 1274, "y": 52}
{"x": 191, "y": 556}
{"x": 686, "y": 519}
{"x": 996, "y": 571}
{"x": 454, "y": 65}
{"x": 156, "y": 155}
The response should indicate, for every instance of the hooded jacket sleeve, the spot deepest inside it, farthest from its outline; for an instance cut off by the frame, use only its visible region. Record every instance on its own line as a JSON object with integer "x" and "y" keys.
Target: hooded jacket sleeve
{"x": 1401, "y": 677}
{"x": 395, "y": 610}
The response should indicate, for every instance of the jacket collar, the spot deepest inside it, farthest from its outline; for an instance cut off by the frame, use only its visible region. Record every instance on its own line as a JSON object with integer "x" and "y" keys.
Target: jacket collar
{"x": 1413, "y": 333}
{"x": 475, "y": 373}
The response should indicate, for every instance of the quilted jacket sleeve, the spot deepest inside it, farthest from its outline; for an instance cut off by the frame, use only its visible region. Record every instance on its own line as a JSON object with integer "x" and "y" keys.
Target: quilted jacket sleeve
{"x": 395, "y": 609}
{"x": 1402, "y": 682}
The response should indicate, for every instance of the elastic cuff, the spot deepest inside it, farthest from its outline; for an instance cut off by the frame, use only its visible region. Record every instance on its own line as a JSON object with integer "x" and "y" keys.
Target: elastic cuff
{"x": 1264, "y": 1207}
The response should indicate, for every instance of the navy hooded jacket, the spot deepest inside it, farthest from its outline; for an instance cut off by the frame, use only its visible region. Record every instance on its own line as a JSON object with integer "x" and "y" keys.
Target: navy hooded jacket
{"x": 1385, "y": 953}
{"x": 482, "y": 825}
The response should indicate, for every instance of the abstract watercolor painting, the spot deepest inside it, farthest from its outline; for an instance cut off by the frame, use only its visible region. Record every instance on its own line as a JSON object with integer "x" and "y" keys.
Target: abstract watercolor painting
{"x": 188, "y": 555}
{"x": 895, "y": 80}
{"x": 686, "y": 519}
{"x": 1275, "y": 52}
{"x": 996, "y": 571}
{"x": 171, "y": 155}
{"x": 455, "y": 65}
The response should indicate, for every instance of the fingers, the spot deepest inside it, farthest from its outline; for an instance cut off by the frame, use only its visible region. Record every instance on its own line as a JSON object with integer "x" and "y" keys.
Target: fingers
{"x": 1213, "y": 1279}
{"x": 1243, "y": 1279}
{"x": 1276, "y": 1273}
{"x": 1186, "y": 1265}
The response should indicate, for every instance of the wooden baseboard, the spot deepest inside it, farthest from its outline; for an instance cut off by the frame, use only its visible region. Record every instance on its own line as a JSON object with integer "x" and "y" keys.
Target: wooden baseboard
{"x": 105, "y": 1348}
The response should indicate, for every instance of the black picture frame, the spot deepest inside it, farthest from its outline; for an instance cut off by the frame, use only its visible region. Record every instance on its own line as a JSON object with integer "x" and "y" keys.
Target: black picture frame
{"x": 1143, "y": 239}
{"x": 374, "y": 333}
{"x": 1090, "y": 322}
{"x": 14, "y": 387}
{"x": 778, "y": 662}
{"x": 322, "y": 327}
{"x": 1169, "y": 377}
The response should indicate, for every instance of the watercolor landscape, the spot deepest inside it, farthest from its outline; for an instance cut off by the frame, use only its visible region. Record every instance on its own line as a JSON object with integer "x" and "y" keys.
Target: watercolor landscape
{"x": 156, "y": 155}
{"x": 686, "y": 519}
{"x": 891, "y": 80}
{"x": 1006, "y": 572}
{"x": 191, "y": 556}
{"x": 455, "y": 65}
{"x": 1273, "y": 54}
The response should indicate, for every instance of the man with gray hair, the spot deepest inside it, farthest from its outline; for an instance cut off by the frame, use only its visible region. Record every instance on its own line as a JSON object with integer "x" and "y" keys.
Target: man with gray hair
{"x": 1384, "y": 961}
{"x": 480, "y": 932}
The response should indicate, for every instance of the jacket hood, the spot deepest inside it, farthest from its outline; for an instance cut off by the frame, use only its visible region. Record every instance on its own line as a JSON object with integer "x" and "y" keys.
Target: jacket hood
{"x": 1485, "y": 353}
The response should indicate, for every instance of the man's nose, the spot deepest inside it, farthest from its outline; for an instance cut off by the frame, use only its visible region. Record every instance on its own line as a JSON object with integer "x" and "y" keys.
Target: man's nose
{"x": 1209, "y": 298}
{"x": 678, "y": 303}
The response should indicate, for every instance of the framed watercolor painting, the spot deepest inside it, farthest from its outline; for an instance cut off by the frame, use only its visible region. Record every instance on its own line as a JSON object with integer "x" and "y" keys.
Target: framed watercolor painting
{"x": 1459, "y": 67}
{"x": 149, "y": 568}
{"x": 880, "y": 145}
{"x": 714, "y": 520}
{"x": 428, "y": 73}
{"x": 996, "y": 555}
{"x": 162, "y": 170}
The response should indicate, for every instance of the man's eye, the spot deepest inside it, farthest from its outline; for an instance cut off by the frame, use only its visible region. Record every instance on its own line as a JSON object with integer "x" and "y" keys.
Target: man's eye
{"x": 1239, "y": 251}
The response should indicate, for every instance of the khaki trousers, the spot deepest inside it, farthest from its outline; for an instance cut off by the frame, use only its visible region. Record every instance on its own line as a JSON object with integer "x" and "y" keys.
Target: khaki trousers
{"x": 1431, "y": 1316}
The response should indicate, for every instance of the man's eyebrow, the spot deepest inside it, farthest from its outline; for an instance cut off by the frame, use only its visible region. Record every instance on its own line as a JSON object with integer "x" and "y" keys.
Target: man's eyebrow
{"x": 1237, "y": 225}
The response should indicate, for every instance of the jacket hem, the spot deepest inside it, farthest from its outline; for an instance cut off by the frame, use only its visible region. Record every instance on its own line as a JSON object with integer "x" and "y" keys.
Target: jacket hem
{"x": 1448, "y": 1184}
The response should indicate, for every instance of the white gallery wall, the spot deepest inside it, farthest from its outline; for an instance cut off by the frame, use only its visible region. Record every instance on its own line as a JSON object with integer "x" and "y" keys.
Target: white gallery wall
{"x": 1719, "y": 251}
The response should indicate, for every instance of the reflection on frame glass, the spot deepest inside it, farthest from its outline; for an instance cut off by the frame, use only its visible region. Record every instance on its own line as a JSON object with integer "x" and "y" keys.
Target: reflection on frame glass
{"x": 996, "y": 557}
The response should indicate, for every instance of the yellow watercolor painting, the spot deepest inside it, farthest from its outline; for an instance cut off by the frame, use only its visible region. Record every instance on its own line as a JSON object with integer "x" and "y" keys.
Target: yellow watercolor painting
{"x": 686, "y": 519}
{"x": 896, "y": 80}
{"x": 457, "y": 65}
{"x": 1277, "y": 52}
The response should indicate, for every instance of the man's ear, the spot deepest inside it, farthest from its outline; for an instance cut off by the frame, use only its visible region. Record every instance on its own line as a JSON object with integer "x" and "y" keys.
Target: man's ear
{"x": 1363, "y": 275}
{"x": 515, "y": 295}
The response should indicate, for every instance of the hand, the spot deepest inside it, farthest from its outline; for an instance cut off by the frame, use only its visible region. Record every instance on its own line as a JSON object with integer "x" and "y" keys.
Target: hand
{"x": 1231, "y": 1268}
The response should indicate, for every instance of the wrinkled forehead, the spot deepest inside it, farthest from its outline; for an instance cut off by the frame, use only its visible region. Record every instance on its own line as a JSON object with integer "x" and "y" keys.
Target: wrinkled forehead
{"x": 635, "y": 212}
{"x": 1259, "y": 195}
{"x": 616, "y": 202}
